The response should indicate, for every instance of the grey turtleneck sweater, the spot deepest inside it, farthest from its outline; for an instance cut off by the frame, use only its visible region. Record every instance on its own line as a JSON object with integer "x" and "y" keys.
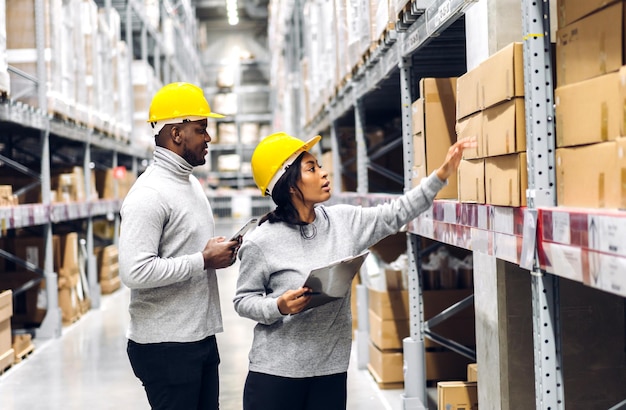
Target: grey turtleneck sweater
{"x": 166, "y": 222}
{"x": 278, "y": 257}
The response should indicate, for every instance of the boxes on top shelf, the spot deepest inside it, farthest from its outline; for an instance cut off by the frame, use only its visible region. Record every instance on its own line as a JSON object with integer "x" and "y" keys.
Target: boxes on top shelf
{"x": 591, "y": 176}
{"x": 591, "y": 46}
{"x": 5, "y": 81}
{"x": 499, "y": 78}
{"x": 569, "y": 11}
{"x": 433, "y": 116}
{"x": 590, "y": 111}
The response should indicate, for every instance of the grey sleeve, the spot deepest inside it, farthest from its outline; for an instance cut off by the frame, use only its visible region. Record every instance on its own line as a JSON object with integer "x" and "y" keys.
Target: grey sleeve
{"x": 250, "y": 298}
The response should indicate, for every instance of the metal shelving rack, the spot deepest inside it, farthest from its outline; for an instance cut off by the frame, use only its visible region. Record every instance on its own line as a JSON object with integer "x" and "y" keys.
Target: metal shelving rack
{"x": 89, "y": 144}
{"x": 523, "y": 236}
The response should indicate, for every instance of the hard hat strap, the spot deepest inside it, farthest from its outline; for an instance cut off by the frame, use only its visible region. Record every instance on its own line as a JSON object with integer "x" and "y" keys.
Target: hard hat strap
{"x": 281, "y": 171}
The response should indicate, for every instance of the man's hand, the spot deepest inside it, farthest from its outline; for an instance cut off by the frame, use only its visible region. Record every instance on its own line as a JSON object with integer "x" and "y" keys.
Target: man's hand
{"x": 220, "y": 253}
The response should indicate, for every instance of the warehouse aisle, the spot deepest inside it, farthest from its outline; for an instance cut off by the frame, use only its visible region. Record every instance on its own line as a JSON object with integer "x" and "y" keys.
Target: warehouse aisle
{"x": 87, "y": 367}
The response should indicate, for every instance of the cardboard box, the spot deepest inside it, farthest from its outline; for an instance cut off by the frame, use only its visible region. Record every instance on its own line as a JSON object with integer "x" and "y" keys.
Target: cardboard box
{"x": 504, "y": 128}
{"x": 417, "y": 174}
{"x": 468, "y": 99}
{"x": 506, "y": 180}
{"x": 445, "y": 365}
{"x": 457, "y": 396}
{"x": 386, "y": 367}
{"x": 592, "y": 176}
{"x": 26, "y": 311}
{"x": 387, "y": 334}
{"x": 502, "y": 76}
{"x": 591, "y": 46}
{"x": 472, "y": 372}
{"x": 6, "y": 311}
{"x": 569, "y": 11}
{"x": 472, "y": 126}
{"x": 390, "y": 248}
{"x": 439, "y": 97}
{"x": 471, "y": 174}
{"x": 392, "y": 304}
{"x": 590, "y": 111}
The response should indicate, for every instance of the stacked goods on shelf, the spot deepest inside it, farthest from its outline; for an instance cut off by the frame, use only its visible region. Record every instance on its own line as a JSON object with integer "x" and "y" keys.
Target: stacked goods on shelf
{"x": 113, "y": 183}
{"x": 145, "y": 85}
{"x": 73, "y": 288}
{"x": 490, "y": 106}
{"x": 389, "y": 313}
{"x": 86, "y": 64}
{"x": 589, "y": 97}
{"x": 108, "y": 268}
{"x": 7, "y": 354}
{"x": 337, "y": 38}
{"x": 433, "y": 116}
{"x": 6, "y": 196}
{"x": 5, "y": 82}
{"x": 457, "y": 395}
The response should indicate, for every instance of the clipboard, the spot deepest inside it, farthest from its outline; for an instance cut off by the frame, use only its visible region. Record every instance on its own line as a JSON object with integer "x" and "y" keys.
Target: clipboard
{"x": 332, "y": 282}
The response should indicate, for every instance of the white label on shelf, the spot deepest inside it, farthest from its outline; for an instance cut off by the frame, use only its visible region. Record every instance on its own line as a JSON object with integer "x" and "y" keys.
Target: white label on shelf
{"x": 612, "y": 235}
{"x": 560, "y": 227}
{"x": 503, "y": 220}
{"x": 425, "y": 225}
{"x": 608, "y": 272}
{"x": 505, "y": 247}
{"x": 480, "y": 241}
{"x": 449, "y": 212}
{"x": 482, "y": 214}
{"x": 566, "y": 261}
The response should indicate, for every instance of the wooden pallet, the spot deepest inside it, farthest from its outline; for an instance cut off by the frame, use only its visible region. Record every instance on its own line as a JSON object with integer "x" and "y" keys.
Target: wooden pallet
{"x": 7, "y": 359}
{"x": 23, "y": 354}
{"x": 382, "y": 384}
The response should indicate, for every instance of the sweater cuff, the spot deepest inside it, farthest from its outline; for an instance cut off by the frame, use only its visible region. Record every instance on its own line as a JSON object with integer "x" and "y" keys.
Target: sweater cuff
{"x": 432, "y": 184}
{"x": 197, "y": 263}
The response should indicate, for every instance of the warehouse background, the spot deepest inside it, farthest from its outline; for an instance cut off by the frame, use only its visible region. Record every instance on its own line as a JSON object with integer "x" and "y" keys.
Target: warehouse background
{"x": 517, "y": 269}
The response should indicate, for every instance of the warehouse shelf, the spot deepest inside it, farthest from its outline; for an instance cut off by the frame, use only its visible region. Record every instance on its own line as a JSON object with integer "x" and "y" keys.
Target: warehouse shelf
{"x": 45, "y": 131}
{"x": 547, "y": 242}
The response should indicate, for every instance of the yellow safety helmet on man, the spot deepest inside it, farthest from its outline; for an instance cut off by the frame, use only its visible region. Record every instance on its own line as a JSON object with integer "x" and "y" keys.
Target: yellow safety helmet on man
{"x": 273, "y": 156}
{"x": 178, "y": 102}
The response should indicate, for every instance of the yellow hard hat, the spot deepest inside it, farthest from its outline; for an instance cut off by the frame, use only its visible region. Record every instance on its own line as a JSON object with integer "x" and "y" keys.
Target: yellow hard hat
{"x": 177, "y": 102}
{"x": 272, "y": 157}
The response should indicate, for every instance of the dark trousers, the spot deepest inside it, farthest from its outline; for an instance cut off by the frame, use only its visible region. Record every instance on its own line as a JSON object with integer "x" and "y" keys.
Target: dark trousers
{"x": 267, "y": 392}
{"x": 178, "y": 375}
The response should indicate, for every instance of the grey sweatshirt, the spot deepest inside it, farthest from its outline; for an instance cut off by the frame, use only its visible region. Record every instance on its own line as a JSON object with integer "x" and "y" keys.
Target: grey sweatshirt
{"x": 166, "y": 222}
{"x": 276, "y": 258}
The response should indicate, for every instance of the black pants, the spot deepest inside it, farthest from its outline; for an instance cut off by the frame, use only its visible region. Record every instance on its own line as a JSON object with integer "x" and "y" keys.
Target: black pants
{"x": 267, "y": 392}
{"x": 178, "y": 375}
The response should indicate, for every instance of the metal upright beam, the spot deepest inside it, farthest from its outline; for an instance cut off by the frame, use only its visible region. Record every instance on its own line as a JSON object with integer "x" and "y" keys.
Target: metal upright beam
{"x": 362, "y": 162}
{"x": 414, "y": 396}
{"x": 541, "y": 192}
{"x": 337, "y": 179}
{"x": 51, "y": 325}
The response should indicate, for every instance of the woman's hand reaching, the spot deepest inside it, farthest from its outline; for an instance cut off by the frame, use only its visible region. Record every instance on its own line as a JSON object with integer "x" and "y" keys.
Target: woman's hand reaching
{"x": 453, "y": 157}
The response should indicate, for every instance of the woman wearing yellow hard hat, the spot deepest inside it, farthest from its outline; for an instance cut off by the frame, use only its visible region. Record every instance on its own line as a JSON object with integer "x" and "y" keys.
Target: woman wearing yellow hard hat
{"x": 299, "y": 357}
{"x": 168, "y": 256}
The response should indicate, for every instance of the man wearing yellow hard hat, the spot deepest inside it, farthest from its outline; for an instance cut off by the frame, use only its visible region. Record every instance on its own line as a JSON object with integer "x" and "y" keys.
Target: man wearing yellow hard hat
{"x": 168, "y": 256}
{"x": 299, "y": 357}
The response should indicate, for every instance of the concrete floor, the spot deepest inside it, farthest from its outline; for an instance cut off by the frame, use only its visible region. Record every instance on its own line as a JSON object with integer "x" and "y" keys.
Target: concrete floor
{"x": 87, "y": 367}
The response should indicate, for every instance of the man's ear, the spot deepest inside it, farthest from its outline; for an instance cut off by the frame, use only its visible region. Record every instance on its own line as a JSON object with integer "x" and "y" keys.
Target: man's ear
{"x": 175, "y": 135}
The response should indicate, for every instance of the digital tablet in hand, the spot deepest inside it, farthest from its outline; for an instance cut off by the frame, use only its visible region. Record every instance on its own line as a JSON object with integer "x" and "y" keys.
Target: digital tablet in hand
{"x": 244, "y": 229}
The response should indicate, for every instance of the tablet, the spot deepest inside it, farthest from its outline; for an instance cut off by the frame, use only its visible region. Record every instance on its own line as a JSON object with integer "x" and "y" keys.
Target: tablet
{"x": 244, "y": 229}
{"x": 333, "y": 281}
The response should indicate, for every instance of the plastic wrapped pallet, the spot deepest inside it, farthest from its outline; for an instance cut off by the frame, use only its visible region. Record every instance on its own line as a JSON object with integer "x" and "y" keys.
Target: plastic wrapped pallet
{"x": 145, "y": 85}
{"x": 22, "y": 52}
{"x": 5, "y": 82}
{"x": 89, "y": 26}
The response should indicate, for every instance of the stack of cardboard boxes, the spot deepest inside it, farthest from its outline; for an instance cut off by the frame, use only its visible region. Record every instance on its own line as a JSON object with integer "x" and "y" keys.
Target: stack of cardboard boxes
{"x": 589, "y": 96}
{"x": 490, "y": 106}
{"x": 389, "y": 323}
